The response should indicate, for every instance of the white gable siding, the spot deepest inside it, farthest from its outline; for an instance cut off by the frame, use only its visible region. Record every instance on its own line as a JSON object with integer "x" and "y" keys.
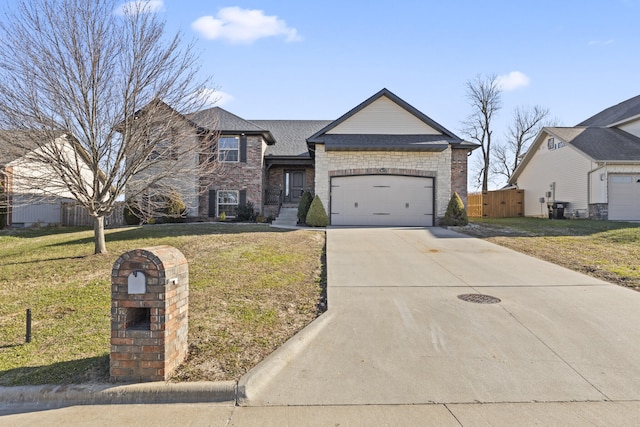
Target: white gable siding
{"x": 632, "y": 127}
{"x": 565, "y": 166}
{"x": 384, "y": 117}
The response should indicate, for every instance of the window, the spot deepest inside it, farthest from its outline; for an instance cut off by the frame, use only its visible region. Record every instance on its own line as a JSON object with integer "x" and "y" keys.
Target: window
{"x": 228, "y": 201}
{"x": 228, "y": 148}
{"x": 163, "y": 146}
{"x": 551, "y": 144}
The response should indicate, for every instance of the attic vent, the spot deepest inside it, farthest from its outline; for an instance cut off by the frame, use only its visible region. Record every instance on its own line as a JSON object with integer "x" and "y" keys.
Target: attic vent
{"x": 551, "y": 144}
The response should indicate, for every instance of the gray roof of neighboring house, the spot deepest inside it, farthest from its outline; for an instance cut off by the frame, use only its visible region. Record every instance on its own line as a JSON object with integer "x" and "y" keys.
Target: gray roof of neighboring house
{"x": 601, "y": 143}
{"x": 290, "y": 135}
{"x": 14, "y": 144}
{"x": 617, "y": 113}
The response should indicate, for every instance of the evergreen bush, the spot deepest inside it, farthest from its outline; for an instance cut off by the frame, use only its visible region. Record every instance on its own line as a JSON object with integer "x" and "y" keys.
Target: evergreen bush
{"x": 456, "y": 214}
{"x": 317, "y": 215}
{"x": 303, "y": 206}
{"x": 246, "y": 212}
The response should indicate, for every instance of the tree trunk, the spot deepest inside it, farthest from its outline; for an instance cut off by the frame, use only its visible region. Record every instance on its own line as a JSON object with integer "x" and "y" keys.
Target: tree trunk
{"x": 98, "y": 233}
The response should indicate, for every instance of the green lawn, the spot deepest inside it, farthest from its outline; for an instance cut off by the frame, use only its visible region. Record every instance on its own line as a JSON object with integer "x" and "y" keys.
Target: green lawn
{"x": 251, "y": 288}
{"x": 604, "y": 249}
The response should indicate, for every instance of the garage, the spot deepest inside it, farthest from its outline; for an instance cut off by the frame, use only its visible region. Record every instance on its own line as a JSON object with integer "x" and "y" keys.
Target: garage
{"x": 624, "y": 197}
{"x": 382, "y": 200}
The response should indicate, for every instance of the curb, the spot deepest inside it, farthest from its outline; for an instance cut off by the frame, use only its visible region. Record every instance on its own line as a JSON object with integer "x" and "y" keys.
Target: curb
{"x": 107, "y": 394}
{"x": 253, "y": 381}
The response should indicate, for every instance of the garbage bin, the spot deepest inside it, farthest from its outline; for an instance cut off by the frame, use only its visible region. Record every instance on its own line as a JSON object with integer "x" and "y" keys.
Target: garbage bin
{"x": 556, "y": 210}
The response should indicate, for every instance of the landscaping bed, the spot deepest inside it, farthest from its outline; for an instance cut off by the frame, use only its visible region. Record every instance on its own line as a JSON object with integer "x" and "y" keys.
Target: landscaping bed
{"x": 606, "y": 250}
{"x": 251, "y": 288}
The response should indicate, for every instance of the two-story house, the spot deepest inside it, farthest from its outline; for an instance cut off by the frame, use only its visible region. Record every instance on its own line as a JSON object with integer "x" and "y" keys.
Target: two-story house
{"x": 592, "y": 169}
{"x": 381, "y": 163}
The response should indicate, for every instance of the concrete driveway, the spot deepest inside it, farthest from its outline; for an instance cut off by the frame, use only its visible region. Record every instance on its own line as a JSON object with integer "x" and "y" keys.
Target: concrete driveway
{"x": 397, "y": 333}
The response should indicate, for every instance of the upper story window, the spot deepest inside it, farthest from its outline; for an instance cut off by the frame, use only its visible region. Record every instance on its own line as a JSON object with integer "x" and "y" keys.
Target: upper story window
{"x": 551, "y": 144}
{"x": 163, "y": 143}
{"x": 229, "y": 148}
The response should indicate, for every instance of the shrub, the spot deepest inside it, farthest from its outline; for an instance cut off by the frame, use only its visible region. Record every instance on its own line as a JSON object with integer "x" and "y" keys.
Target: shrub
{"x": 3, "y": 209}
{"x": 175, "y": 209}
{"x": 246, "y": 212}
{"x": 455, "y": 215}
{"x": 131, "y": 214}
{"x": 303, "y": 206}
{"x": 317, "y": 216}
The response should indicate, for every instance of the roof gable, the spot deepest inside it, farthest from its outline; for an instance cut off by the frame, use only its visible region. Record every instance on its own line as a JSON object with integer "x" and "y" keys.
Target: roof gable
{"x": 372, "y": 117}
{"x": 221, "y": 120}
{"x": 599, "y": 144}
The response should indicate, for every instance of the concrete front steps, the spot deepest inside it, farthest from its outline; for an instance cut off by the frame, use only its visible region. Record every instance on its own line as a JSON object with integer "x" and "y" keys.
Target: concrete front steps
{"x": 288, "y": 217}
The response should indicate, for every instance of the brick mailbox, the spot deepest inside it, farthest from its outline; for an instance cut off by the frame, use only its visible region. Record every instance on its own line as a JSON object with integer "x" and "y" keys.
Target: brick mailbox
{"x": 149, "y": 314}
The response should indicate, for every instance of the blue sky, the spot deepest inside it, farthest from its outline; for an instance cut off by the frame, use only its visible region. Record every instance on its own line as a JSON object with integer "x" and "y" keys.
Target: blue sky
{"x": 318, "y": 59}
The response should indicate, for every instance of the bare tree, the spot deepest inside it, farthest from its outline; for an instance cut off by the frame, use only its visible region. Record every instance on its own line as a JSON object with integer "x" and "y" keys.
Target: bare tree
{"x": 97, "y": 92}
{"x": 525, "y": 125}
{"x": 485, "y": 97}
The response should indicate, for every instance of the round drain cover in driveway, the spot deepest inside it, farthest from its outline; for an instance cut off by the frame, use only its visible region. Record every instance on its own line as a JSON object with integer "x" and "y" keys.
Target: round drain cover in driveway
{"x": 479, "y": 298}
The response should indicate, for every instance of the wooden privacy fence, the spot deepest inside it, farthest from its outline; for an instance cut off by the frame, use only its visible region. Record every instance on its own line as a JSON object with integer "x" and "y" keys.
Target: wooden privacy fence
{"x": 74, "y": 215}
{"x": 507, "y": 203}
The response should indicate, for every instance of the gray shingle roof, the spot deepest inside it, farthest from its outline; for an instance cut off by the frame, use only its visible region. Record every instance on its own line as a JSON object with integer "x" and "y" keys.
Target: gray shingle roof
{"x": 615, "y": 114}
{"x": 601, "y": 143}
{"x": 290, "y": 135}
{"x": 14, "y": 144}
{"x": 220, "y": 119}
{"x": 334, "y": 142}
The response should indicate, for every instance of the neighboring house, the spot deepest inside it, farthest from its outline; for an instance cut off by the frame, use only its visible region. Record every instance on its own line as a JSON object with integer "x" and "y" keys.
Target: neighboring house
{"x": 382, "y": 163}
{"x": 592, "y": 169}
{"x": 32, "y": 194}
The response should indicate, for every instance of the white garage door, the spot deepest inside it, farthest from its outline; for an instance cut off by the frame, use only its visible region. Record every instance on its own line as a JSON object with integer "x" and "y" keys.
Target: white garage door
{"x": 624, "y": 197}
{"x": 382, "y": 200}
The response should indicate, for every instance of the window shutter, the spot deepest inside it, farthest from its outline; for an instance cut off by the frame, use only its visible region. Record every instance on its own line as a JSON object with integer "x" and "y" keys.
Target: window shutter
{"x": 212, "y": 203}
{"x": 243, "y": 198}
{"x": 243, "y": 148}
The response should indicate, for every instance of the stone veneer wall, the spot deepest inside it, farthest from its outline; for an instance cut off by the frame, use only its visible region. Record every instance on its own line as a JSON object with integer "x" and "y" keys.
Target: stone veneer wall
{"x": 151, "y": 348}
{"x": 436, "y": 164}
{"x": 459, "y": 173}
{"x": 599, "y": 211}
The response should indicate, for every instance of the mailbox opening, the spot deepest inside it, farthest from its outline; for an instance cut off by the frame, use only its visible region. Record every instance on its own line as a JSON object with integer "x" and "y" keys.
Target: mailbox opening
{"x": 138, "y": 319}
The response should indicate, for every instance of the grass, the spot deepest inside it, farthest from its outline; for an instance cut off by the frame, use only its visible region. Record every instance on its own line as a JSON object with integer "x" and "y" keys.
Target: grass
{"x": 603, "y": 249}
{"x": 251, "y": 288}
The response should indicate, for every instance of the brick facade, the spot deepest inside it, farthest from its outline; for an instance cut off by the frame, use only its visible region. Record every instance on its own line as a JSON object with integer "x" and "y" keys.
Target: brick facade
{"x": 149, "y": 329}
{"x": 459, "y": 173}
{"x": 247, "y": 176}
{"x": 409, "y": 163}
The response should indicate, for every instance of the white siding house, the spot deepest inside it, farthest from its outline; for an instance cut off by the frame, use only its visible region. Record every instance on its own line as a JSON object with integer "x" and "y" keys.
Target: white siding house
{"x": 593, "y": 167}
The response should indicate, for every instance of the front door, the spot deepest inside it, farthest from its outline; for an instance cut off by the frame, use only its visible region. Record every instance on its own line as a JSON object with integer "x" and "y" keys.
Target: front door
{"x": 294, "y": 185}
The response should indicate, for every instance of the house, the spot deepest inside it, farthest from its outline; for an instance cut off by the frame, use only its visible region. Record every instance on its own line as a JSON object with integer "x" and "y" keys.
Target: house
{"x": 382, "y": 163}
{"x": 31, "y": 192}
{"x": 592, "y": 170}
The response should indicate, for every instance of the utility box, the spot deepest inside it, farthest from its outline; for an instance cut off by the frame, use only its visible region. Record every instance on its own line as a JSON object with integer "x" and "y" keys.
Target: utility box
{"x": 149, "y": 314}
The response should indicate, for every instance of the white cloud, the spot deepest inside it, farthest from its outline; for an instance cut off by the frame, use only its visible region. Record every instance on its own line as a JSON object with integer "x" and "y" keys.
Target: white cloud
{"x": 145, "y": 6}
{"x": 238, "y": 25}
{"x": 513, "y": 80}
{"x": 600, "y": 42}
{"x": 214, "y": 97}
